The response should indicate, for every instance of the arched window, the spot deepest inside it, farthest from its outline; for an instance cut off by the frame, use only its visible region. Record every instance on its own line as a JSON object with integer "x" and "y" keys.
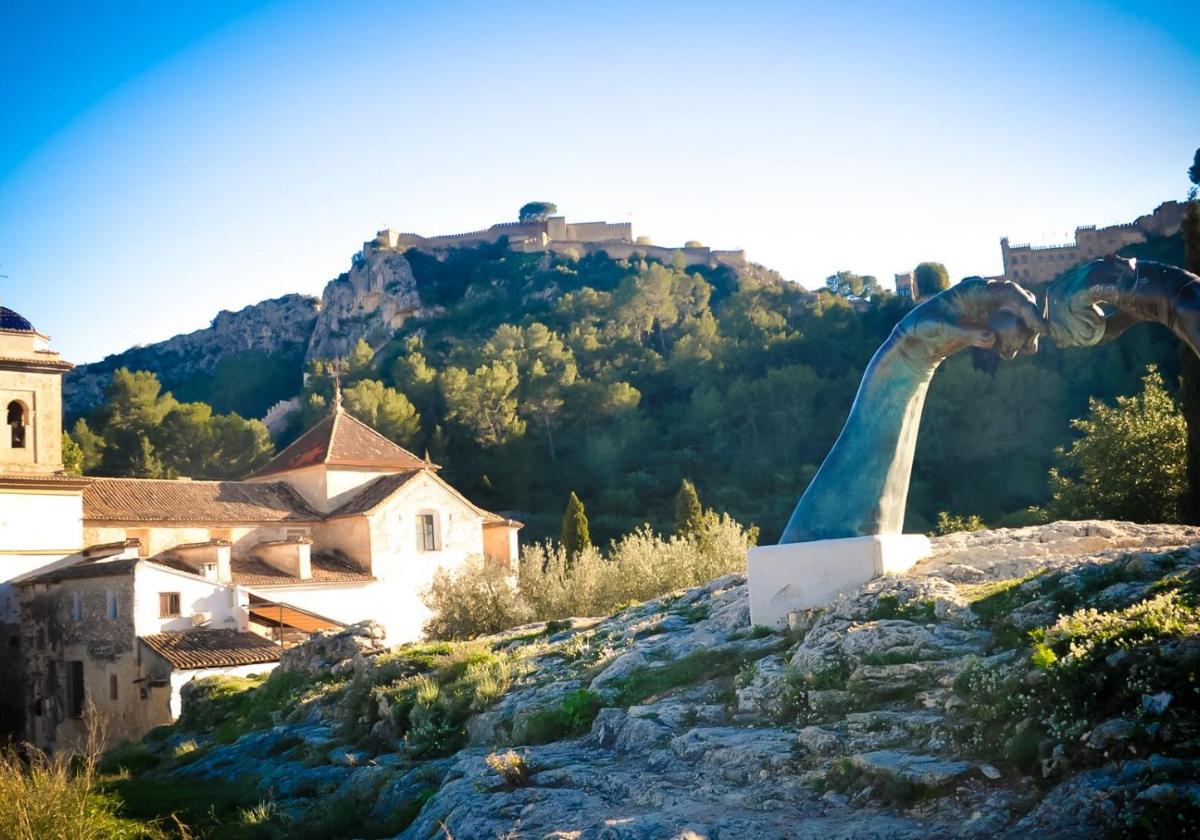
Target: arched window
{"x": 16, "y": 421}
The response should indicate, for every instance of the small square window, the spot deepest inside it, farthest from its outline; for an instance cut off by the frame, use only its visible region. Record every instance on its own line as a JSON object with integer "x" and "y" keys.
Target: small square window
{"x": 168, "y": 605}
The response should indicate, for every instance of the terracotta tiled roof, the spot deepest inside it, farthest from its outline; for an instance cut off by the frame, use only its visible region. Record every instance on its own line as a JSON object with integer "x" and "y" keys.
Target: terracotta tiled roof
{"x": 374, "y": 494}
{"x": 212, "y": 648}
{"x": 341, "y": 440}
{"x": 250, "y": 571}
{"x": 158, "y": 500}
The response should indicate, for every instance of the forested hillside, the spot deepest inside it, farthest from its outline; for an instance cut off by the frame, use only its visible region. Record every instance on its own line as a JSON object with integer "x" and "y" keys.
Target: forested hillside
{"x": 536, "y": 375}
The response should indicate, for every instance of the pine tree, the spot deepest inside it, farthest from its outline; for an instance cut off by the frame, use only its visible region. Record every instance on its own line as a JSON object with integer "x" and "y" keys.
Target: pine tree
{"x": 689, "y": 514}
{"x": 575, "y": 537}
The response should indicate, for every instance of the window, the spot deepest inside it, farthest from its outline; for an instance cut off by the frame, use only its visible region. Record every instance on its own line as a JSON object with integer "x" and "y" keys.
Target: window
{"x": 76, "y": 606}
{"x": 114, "y": 610}
{"x": 112, "y": 686}
{"x": 75, "y": 688}
{"x": 209, "y": 570}
{"x": 16, "y": 420}
{"x": 168, "y": 605}
{"x": 426, "y": 532}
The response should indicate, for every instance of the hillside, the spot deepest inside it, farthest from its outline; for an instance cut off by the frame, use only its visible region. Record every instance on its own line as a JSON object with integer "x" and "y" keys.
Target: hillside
{"x": 534, "y": 375}
{"x": 1033, "y": 682}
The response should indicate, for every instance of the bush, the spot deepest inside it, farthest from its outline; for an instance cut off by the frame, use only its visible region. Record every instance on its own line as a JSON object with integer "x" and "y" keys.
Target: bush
{"x": 478, "y": 598}
{"x": 953, "y": 523}
{"x": 1131, "y": 462}
{"x": 481, "y": 598}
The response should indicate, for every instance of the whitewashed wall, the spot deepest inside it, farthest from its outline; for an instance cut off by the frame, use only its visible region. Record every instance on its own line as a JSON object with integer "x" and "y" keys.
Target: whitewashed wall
{"x": 196, "y": 595}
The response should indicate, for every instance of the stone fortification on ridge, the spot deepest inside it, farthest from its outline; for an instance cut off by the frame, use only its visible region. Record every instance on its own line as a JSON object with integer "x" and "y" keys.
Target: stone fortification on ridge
{"x": 1036, "y": 264}
{"x": 560, "y": 236}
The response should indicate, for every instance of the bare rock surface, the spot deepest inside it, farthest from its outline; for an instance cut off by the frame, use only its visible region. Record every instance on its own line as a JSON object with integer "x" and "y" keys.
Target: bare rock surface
{"x": 917, "y": 706}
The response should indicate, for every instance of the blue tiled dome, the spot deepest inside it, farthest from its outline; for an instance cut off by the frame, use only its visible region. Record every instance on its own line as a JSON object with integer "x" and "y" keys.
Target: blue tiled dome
{"x": 10, "y": 320}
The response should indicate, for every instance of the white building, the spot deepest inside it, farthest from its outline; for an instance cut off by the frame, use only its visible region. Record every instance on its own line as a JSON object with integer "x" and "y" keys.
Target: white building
{"x": 131, "y": 586}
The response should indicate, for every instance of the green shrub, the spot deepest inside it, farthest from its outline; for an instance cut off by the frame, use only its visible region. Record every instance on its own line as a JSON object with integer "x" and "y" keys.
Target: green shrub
{"x": 953, "y": 523}
{"x": 890, "y": 607}
{"x": 480, "y": 598}
{"x": 572, "y": 716}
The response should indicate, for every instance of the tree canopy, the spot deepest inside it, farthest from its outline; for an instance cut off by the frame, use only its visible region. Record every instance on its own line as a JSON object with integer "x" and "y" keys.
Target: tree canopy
{"x": 537, "y": 211}
{"x": 853, "y": 286}
{"x": 930, "y": 278}
{"x": 141, "y": 432}
{"x": 1130, "y": 462}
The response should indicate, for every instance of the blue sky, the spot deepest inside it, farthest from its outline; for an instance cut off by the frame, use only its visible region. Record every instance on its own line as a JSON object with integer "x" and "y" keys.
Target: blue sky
{"x": 160, "y": 162}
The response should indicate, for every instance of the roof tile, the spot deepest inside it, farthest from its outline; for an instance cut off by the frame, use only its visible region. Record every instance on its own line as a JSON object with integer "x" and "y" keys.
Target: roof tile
{"x": 212, "y": 648}
{"x": 251, "y": 571}
{"x": 342, "y": 440}
{"x": 159, "y": 500}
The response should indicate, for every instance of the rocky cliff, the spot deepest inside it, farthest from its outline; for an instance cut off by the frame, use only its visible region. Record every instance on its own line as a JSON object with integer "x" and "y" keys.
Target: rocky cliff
{"x": 1019, "y": 683}
{"x": 280, "y": 326}
{"x": 371, "y": 302}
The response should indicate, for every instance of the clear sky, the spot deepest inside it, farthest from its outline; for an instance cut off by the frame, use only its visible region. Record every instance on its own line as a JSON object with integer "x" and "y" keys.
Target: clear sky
{"x": 162, "y": 161}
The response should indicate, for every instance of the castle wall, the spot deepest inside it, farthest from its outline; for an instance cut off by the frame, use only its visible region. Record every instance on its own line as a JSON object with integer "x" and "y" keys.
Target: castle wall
{"x": 1041, "y": 264}
{"x": 596, "y": 232}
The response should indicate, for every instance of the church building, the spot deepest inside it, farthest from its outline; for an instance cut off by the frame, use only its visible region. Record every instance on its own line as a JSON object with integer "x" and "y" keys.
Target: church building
{"x": 114, "y": 592}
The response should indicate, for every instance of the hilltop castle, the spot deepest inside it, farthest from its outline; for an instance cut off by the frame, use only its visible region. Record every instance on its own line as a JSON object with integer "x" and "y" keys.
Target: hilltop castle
{"x": 1037, "y": 264}
{"x": 558, "y": 235}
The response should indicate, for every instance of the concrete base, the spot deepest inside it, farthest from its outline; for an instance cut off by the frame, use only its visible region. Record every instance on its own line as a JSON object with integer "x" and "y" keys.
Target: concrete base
{"x": 800, "y": 576}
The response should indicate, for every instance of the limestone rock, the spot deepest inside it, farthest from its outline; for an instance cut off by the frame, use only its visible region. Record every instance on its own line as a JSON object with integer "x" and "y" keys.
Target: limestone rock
{"x": 370, "y": 302}
{"x": 281, "y": 326}
{"x": 925, "y": 770}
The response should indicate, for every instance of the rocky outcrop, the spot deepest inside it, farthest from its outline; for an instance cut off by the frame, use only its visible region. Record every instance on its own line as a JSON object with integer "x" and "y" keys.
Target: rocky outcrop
{"x": 281, "y": 325}
{"x": 370, "y": 302}
{"x": 917, "y": 706}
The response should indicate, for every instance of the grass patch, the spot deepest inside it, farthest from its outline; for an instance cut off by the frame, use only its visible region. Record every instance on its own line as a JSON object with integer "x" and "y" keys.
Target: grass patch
{"x": 891, "y": 607}
{"x": 701, "y": 665}
{"x": 572, "y": 716}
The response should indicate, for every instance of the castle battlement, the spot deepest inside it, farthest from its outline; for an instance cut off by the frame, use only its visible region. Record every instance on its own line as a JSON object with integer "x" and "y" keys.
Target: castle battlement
{"x": 1037, "y": 264}
{"x": 557, "y": 235}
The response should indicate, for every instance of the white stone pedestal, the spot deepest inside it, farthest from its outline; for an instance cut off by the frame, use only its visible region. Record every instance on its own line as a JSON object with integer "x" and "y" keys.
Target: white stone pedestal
{"x": 800, "y": 576}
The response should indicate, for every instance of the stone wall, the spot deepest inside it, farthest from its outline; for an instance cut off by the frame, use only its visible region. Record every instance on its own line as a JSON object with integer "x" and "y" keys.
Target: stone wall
{"x": 1042, "y": 263}
{"x": 52, "y": 638}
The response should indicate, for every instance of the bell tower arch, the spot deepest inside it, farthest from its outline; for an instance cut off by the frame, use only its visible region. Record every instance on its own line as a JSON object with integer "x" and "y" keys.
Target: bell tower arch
{"x": 30, "y": 399}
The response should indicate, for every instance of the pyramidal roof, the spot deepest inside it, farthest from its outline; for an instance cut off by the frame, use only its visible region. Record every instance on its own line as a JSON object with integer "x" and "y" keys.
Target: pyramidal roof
{"x": 342, "y": 441}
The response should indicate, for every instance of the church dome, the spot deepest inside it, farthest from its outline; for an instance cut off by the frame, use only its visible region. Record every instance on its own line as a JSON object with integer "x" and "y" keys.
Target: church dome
{"x": 10, "y": 320}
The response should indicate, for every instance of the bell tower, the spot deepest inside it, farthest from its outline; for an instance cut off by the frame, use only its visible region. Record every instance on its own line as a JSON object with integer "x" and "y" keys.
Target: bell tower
{"x": 30, "y": 399}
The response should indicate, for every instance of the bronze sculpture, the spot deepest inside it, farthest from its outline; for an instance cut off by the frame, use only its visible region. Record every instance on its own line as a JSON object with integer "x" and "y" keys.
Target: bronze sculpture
{"x": 1099, "y": 300}
{"x": 861, "y": 488}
